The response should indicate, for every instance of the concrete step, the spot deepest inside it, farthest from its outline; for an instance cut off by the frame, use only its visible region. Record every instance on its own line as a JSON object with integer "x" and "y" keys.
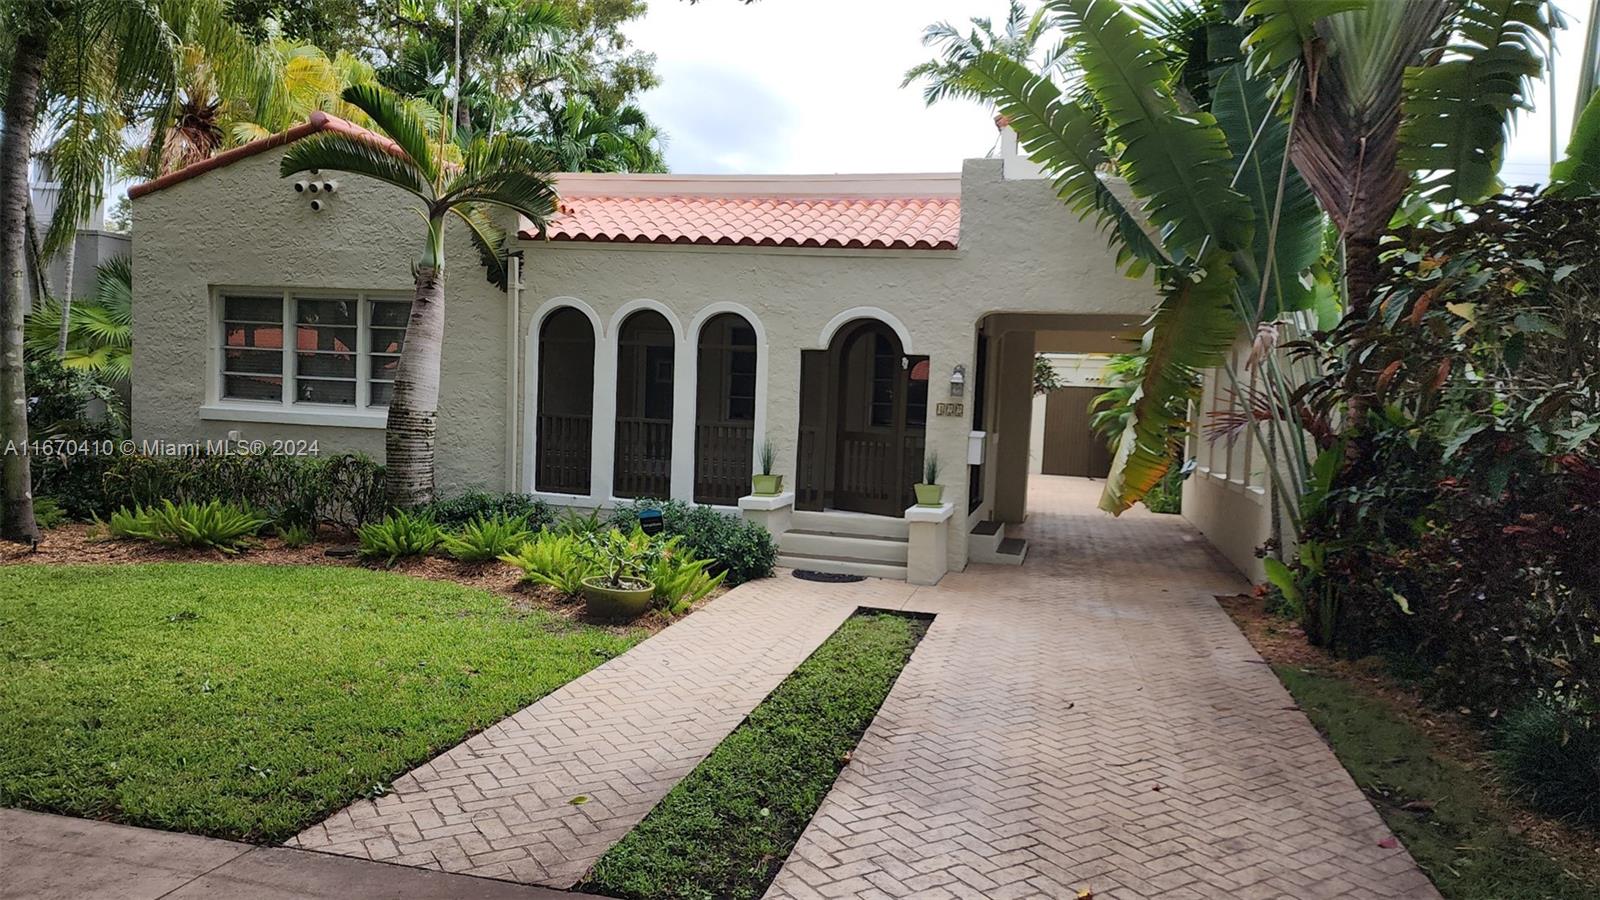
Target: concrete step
{"x": 1007, "y": 552}
{"x": 864, "y": 567}
{"x": 852, "y": 524}
{"x": 839, "y": 546}
{"x": 985, "y": 538}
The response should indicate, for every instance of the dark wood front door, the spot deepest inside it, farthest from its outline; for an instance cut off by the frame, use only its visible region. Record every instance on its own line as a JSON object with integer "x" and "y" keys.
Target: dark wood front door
{"x": 1070, "y": 445}
{"x": 863, "y": 409}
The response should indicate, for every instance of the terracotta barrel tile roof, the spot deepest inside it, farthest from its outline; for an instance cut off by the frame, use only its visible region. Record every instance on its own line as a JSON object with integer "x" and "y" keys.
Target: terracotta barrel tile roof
{"x": 913, "y": 223}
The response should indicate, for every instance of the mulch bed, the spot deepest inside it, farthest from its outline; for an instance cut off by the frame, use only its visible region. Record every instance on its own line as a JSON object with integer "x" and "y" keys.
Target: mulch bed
{"x": 1281, "y": 641}
{"x": 76, "y": 544}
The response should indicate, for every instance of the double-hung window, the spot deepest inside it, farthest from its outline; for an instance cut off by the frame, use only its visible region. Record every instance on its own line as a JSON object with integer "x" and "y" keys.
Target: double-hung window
{"x": 342, "y": 350}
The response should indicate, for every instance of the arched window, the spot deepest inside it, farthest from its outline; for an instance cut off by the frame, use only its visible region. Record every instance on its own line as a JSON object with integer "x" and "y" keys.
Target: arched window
{"x": 725, "y": 410}
{"x": 645, "y": 355}
{"x": 566, "y": 403}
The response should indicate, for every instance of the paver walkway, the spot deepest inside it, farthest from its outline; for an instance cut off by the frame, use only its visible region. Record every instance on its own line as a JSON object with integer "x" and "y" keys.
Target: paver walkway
{"x": 1090, "y": 720}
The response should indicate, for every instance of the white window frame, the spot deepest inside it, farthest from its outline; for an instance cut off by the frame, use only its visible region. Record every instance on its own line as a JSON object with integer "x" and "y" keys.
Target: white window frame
{"x": 288, "y": 410}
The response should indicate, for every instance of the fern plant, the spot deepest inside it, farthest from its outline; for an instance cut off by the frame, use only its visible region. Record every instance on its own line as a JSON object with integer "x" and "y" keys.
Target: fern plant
{"x": 399, "y": 535}
{"x": 297, "y": 536}
{"x": 487, "y": 537}
{"x": 227, "y": 527}
{"x": 681, "y": 579}
{"x": 553, "y": 559}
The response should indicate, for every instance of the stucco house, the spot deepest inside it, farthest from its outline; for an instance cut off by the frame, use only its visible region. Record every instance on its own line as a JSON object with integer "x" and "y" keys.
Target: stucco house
{"x": 650, "y": 341}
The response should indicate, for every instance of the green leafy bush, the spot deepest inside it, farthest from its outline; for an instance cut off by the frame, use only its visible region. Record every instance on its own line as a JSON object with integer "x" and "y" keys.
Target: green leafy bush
{"x": 552, "y": 558}
{"x": 1553, "y": 760}
{"x": 216, "y": 525}
{"x": 680, "y": 578}
{"x": 399, "y": 535}
{"x": 459, "y": 511}
{"x": 62, "y": 413}
{"x": 297, "y": 536}
{"x": 744, "y": 550}
{"x": 344, "y": 490}
{"x": 575, "y": 523}
{"x": 47, "y": 513}
{"x": 621, "y": 561}
{"x": 486, "y": 538}
{"x": 1459, "y": 532}
{"x": 1167, "y": 496}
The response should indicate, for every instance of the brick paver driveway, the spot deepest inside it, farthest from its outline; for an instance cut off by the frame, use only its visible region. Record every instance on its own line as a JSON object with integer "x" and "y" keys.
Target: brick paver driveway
{"x": 1091, "y": 720}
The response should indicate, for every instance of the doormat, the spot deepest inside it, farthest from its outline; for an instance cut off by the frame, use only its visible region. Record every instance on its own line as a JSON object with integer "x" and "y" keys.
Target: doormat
{"x": 827, "y": 577}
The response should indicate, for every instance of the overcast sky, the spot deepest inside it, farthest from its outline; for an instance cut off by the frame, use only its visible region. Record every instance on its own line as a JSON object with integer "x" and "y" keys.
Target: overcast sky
{"x": 813, "y": 86}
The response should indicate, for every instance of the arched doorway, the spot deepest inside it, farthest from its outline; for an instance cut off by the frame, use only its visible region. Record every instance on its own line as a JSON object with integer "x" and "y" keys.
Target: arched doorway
{"x": 863, "y": 413}
{"x": 646, "y": 348}
{"x": 566, "y": 403}
{"x": 725, "y": 410}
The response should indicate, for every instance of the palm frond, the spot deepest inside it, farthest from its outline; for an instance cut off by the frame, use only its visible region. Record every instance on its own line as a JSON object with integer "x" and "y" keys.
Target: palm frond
{"x": 395, "y": 118}
{"x": 1191, "y": 331}
{"x": 1067, "y": 141}
{"x": 1177, "y": 163}
{"x": 488, "y": 238}
{"x": 1457, "y": 111}
{"x": 505, "y": 171}
{"x": 1285, "y": 28}
{"x": 338, "y": 152}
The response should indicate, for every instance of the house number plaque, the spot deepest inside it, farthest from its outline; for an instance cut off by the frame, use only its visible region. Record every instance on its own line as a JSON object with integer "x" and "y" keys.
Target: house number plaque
{"x": 949, "y": 409}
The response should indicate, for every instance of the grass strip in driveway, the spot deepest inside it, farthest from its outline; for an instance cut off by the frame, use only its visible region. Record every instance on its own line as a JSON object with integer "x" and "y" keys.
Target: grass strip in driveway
{"x": 249, "y": 701}
{"x": 1460, "y": 835}
{"x": 726, "y": 829}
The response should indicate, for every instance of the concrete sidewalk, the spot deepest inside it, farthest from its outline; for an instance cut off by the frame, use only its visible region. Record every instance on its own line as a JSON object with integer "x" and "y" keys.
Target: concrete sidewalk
{"x": 45, "y": 857}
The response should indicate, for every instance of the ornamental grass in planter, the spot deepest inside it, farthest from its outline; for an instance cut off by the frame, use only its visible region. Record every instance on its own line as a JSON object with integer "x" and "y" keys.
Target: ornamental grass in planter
{"x": 764, "y": 483}
{"x": 929, "y": 491}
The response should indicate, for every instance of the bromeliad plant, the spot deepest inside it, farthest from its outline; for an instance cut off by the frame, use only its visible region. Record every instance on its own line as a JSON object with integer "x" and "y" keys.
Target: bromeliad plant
{"x": 451, "y": 178}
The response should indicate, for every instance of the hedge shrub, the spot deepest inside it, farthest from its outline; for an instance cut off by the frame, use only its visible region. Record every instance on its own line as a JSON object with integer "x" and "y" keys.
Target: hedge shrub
{"x": 742, "y": 549}
{"x": 345, "y": 490}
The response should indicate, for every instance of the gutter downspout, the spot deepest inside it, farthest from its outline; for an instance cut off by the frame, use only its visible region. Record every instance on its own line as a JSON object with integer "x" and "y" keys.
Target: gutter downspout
{"x": 513, "y": 366}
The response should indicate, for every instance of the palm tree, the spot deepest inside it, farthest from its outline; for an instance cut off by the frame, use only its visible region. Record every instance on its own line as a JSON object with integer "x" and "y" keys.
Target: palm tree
{"x": 1236, "y": 190}
{"x": 585, "y": 137}
{"x": 99, "y": 328}
{"x": 944, "y": 75}
{"x": 96, "y": 67}
{"x": 504, "y": 171}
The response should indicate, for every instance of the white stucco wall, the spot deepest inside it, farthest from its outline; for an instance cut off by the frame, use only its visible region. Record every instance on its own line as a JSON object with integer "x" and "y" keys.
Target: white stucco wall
{"x": 1020, "y": 251}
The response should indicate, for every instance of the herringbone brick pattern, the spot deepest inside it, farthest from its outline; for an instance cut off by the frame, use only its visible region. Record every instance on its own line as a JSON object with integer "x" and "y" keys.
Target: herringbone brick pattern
{"x": 501, "y": 804}
{"x": 1093, "y": 720}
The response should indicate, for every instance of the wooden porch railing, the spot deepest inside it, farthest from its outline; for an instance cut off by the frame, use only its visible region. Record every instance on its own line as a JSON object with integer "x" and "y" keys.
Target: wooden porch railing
{"x": 644, "y": 457}
{"x": 723, "y": 453}
{"x": 564, "y": 453}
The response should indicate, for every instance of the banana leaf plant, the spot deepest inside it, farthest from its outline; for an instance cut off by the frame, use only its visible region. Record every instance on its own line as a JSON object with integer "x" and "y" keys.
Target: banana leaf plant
{"x": 504, "y": 171}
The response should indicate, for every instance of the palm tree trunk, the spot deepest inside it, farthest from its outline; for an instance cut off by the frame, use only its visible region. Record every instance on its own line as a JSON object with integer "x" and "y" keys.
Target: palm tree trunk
{"x": 408, "y": 441}
{"x": 21, "y": 112}
{"x": 66, "y": 294}
{"x": 34, "y": 258}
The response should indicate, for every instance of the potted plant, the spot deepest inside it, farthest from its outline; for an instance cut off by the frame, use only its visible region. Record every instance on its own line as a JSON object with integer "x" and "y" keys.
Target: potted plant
{"x": 766, "y": 484}
{"x": 619, "y": 590}
{"x": 930, "y": 492}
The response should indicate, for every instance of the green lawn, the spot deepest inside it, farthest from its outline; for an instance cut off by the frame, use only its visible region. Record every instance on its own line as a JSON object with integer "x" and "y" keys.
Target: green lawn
{"x": 250, "y": 701}
{"x": 726, "y": 828}
{"x": 1451, "y": 824}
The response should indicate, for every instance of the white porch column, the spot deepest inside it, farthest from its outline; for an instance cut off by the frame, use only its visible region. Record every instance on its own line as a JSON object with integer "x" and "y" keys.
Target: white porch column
{"x": 685, "y": 380}
{"x": 603, "y": 449}
{"x": 928, "y": 554}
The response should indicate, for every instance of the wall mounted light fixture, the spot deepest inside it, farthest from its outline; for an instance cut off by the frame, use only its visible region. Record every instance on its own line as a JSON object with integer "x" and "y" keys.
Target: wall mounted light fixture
{"x": 958, "y": 381}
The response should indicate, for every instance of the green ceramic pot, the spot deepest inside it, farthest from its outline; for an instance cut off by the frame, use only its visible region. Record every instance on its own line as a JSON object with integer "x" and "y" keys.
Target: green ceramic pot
{"x": 616, "y": 604}
{"x": 766, "y": 485}
{"x": 929, "y": 494}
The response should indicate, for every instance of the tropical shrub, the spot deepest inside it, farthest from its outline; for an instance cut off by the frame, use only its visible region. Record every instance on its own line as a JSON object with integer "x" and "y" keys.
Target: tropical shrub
{"x": 345, "y": 490}
{"x": 575, "y": 523}
{"x": 75, "y": 418}
{"x": 398, "y": 535}
{"x": 486, "y": 538}
{"x": 618, "y": 560}
{"x": 681, "y": 579}
{"x": 47, "y": 513}
{"x": 744, "y": 550}
{"x": 1167, "y": 496}
{"x": 459, "y": 511}
{"x": 1553, "y": 761}
{"x": 297, "y": 536}
{"x": 226, "y": 527}
{"x": 1459, "y": 533}
{"x": 553, "y": 559}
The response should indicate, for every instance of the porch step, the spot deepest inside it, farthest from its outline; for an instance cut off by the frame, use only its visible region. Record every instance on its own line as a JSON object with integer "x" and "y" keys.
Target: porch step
{"x": 851, "y": 524}
{"x": 866, "y": 547}
{"x": 864, "y": 567}
{"x": 994, "y": 548}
